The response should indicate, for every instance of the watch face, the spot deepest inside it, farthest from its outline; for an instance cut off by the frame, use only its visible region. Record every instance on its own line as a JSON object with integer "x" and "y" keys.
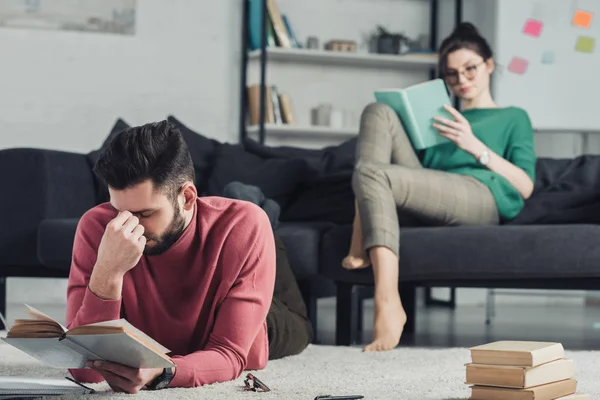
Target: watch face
{"x": 162, "y": 384}
{"x": 485, "y": 158}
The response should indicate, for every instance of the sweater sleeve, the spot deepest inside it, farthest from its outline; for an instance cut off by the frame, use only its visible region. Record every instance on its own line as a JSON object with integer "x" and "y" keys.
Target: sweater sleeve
{"x": 83, "y": 306}
{"x": 520, "y": 149}
{"x": 251, "y": 246}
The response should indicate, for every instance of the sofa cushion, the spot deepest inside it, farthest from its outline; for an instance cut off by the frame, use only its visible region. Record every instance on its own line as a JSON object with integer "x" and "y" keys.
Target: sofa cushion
{"x": 202, "y": 150}
{"x": 330, "y": 159}
{"x": 278, "y": 179}
{"x": 324, "y": 198}
{"x": 102, "y": 194}
{"x": 119, "y": 126}
{"x": 302, "y": 245}
{"x": 478, "y": 253}
{"x": 55, "y": 242}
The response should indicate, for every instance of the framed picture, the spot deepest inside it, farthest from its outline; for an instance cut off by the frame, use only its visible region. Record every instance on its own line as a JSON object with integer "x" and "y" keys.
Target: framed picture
{"x": 102, "y": 16}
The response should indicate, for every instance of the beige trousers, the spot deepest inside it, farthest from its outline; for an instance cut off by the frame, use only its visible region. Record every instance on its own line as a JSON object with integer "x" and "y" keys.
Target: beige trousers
{"x": 389, "y": 177}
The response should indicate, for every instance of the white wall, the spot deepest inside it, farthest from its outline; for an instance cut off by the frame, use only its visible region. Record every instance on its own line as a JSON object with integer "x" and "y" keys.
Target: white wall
{"x": 63, "y": 90}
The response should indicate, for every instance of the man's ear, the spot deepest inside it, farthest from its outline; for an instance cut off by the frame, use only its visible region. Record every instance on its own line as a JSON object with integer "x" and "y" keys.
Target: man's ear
{"x": 190, "y": 193}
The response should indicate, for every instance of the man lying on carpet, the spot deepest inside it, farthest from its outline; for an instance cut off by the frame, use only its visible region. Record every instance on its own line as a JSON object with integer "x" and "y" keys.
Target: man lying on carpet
{"x": 204, "y": 276}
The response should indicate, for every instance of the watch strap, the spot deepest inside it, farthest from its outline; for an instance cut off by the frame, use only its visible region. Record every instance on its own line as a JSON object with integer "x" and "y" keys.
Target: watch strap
{"x": 162, "y": 381}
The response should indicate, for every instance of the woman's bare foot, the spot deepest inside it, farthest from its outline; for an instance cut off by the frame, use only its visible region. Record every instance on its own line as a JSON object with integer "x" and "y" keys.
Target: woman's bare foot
{"x": 357, "y": 257}
{"x": 355, "y": 262}
{"x": 390, "y": 318}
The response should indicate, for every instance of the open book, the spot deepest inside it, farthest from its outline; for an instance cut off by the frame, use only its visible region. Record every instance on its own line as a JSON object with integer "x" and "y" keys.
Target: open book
{"x": 416, "y": 106}
{"x": 12, "y": 387}
{"x": 116, "y": 341}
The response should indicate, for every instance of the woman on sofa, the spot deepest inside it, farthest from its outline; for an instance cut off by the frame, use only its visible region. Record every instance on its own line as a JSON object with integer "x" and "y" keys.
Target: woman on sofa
{"x": 482, "y": 177}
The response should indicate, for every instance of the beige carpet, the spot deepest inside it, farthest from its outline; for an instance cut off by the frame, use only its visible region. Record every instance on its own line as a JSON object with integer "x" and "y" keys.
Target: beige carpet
{"x": 405, "y": 373}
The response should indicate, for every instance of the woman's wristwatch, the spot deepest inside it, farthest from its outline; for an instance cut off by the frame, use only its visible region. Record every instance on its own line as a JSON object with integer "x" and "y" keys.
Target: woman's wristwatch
{"x": 484, "y": 157}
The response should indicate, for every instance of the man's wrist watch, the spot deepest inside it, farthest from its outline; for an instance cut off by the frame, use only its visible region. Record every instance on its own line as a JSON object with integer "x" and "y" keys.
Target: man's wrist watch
{"x": 162, "y": 381}
{"x": 484, "y": 157}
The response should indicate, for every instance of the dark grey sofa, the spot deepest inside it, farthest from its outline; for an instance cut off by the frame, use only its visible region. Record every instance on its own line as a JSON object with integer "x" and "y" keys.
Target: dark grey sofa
{"x": 551, "y": 245}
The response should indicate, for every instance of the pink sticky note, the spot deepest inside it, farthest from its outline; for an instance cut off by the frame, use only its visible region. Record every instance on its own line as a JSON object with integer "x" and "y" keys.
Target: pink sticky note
{"x": 533, "y": 28}
{"x": 518, "y": 65}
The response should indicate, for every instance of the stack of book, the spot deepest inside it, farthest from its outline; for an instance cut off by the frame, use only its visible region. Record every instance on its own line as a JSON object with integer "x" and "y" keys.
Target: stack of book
{"x": 521, "y": 370}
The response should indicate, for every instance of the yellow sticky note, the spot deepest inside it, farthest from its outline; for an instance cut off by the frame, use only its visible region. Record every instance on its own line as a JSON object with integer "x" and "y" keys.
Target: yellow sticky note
{"x": 583, "y": 18}
{"x": 585, "y": 44}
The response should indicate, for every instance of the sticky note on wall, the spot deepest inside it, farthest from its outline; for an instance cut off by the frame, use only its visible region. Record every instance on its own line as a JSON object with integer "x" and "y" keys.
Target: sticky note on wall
{"x": 533, "y": 27}
{"x": 583, "y": 19}
{"x": 518, "y": 65}
{"x": 585, "y": 44}
{"x": 548, "y": 57}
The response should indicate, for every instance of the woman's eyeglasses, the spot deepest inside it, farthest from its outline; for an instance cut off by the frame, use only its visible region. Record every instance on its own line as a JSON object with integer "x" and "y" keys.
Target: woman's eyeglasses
{"x": 470, "y": 71}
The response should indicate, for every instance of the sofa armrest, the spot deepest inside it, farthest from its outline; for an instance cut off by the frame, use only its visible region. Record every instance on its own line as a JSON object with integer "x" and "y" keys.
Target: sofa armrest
{"x": 36, "y": 185}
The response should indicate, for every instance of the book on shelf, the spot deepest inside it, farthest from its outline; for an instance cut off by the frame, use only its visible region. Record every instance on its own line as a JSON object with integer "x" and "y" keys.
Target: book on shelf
{"x": 278, "y": 108}
{"x": 517, "y": 353}
{"x": 279, "y": 29}
{"x": 416, "y": 106}
{"x": 517, "y": 376}
{"x": 281, "y": 32}
{"x": 286, "y": 109}
{"x": 116, "y": 341}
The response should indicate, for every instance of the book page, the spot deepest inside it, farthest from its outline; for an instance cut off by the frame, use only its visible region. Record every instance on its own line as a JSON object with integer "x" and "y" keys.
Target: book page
{"x": 123, "y": 323}
{"x": 121, "y": 348}
{"x": 50, "y": 351}
{"x": 27, "y": 382}
{"x": 36, "y": 314}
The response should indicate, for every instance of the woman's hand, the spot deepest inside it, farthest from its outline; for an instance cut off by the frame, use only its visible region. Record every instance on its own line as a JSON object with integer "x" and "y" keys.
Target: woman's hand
{"x": 458, "y": 131}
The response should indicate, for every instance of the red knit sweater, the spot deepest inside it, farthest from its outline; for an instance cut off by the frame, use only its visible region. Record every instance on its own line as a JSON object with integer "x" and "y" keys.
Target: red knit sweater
{"x": 206, "y": 298}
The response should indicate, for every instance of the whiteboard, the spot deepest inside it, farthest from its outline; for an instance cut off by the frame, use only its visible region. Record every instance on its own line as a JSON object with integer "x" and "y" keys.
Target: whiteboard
{"x": 548, "y": 55}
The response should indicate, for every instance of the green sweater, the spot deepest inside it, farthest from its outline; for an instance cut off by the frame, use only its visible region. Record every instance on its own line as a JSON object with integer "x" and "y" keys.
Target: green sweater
{"x": 507, "y": 132}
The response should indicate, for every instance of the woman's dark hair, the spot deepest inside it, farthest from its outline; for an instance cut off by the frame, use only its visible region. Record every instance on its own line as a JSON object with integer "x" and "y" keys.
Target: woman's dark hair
{"x": 155, "y": 151}
{"x": 464, "y": 36}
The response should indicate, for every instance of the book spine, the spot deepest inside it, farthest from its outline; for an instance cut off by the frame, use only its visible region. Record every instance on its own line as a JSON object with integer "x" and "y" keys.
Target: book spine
{"x": 254, "y": 104}
{"x": 278, "y": 26}
{"x": 291, "y": 34}
{"x": 255, "y": 23}
{"x": 410, "y": 124}
{"x": 276, "y": 106}
{"x": 286, "y": 109}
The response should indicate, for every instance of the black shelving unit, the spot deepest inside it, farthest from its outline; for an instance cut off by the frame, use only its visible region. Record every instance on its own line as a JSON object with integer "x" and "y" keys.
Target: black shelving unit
{"x": 433, "y": 34}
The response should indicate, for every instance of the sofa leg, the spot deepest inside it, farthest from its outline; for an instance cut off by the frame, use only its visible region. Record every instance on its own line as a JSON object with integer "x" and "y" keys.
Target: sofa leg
{"x": 3, "y": 301}
{"x": 310, "y": 300}
{"x": 431, "y": 301}
{"x": 408, "y": 295}
{"x": 346, "y": 310}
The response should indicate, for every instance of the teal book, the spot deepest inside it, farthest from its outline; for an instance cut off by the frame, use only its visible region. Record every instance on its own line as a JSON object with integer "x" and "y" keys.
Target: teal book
{"x": 255, "y": 26}
{"x": 416, "y": 107}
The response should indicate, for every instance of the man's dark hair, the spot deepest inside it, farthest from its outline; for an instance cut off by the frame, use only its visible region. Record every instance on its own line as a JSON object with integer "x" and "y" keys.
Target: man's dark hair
{"x": 155, "y": 151}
